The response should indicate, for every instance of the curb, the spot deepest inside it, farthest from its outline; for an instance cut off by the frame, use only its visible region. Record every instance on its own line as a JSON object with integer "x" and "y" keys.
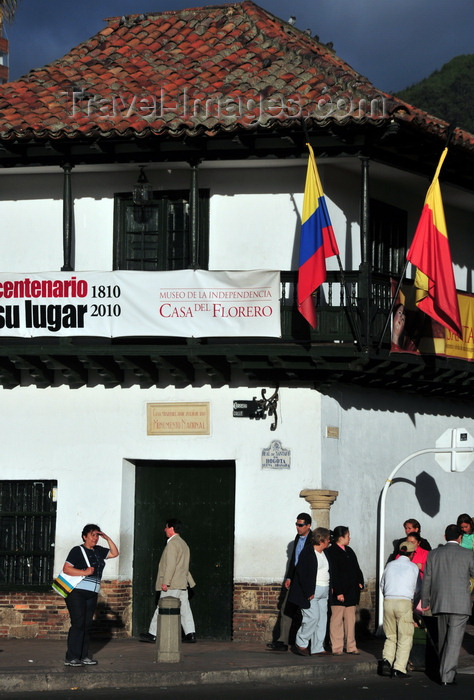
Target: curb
{"x": 51, "y": 681}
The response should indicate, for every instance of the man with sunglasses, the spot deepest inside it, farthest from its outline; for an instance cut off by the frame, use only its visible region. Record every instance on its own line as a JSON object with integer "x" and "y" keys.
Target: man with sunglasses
{"x": 289, "y": 610}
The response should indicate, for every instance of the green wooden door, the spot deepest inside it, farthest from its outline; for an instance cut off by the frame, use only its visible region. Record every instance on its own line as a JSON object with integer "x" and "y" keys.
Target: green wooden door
{"x": 201, "y": 495}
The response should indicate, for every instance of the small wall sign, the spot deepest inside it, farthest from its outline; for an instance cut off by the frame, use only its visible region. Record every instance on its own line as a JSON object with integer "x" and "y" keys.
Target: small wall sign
{"x": 275, "y": 456}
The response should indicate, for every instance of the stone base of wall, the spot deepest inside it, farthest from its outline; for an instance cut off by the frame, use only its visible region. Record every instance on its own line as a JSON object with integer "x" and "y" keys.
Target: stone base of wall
{"x": 255, "y": 616}
{"x": 44, "y": 615}
{"x": 256, "y": 610}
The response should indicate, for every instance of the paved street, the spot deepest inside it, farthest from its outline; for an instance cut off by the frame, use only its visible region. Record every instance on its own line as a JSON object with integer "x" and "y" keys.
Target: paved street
{"x": 368, "y": 687}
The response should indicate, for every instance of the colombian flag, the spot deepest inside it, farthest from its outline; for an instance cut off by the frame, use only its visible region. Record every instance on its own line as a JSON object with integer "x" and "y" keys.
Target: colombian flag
{"x": 430, "y": 253}
{"x": 317, "y": 241}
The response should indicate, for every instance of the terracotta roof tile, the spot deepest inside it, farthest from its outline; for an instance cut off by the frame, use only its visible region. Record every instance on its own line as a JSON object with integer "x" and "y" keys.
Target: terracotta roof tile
{"x": 237, "y": 53}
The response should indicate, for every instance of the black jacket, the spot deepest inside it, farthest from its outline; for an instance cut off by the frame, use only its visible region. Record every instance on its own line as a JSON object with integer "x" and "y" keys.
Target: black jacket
{"x": 346, "y": 576}
{"x": 291, "y": 565}
{"x": 304, "y": 579}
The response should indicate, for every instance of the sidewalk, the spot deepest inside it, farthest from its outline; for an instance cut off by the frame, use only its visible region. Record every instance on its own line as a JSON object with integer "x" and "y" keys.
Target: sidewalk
{"x": 37, "y": 664}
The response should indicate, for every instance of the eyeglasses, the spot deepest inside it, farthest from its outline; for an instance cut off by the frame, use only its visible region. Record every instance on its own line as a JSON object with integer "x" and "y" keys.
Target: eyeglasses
{"x": 301, "y": 524}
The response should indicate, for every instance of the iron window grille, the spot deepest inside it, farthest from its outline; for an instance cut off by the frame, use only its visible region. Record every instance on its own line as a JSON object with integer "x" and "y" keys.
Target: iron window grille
{"x": 27, "y": 533}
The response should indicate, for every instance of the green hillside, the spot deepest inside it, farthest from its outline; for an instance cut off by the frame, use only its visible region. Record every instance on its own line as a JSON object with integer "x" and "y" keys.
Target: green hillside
{"x": 447, "y": 93}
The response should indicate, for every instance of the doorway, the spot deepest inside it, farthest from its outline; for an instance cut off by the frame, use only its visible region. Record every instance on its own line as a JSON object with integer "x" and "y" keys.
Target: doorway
{"x": 201, "y": 495}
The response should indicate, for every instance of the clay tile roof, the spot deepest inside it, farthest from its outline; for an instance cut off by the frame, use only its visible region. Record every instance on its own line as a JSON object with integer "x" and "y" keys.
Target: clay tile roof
{"x": 199, "y": 70}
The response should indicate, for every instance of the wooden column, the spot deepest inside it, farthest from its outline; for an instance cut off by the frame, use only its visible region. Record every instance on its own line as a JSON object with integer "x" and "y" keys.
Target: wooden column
{"x": 364, "y": 212}
{"x": 194, "y": 216}
{"x": 68, "y": 218}
{"x": 365, "y": 267}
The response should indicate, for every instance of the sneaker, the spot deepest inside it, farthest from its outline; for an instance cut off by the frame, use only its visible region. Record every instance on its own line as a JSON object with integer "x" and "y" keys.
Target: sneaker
{"x": 147, "y": 637}
{"x": 73, "y": 662}
{"x": 89, "y": 662}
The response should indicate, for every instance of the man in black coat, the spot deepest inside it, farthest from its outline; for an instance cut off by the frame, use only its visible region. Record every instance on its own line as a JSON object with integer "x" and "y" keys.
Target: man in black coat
{"x": 289, "y": 610}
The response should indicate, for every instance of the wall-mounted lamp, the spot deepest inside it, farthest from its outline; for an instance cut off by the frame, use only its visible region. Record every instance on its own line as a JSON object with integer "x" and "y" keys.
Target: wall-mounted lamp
{"x": 142, "y": 189}
{"x": 258, "y": 408}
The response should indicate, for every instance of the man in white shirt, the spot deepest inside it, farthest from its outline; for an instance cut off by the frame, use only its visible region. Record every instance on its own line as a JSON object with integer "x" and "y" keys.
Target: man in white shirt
{"x": 399, "y": 583}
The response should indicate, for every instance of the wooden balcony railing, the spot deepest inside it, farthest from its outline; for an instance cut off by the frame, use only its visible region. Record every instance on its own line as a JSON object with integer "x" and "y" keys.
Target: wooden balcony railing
{"x": 351, "y": 307}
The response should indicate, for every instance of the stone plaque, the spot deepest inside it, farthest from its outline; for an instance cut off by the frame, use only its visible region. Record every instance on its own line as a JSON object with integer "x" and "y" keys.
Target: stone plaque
{"x": 332, "y": 431}
{"x": 178, "y": 418}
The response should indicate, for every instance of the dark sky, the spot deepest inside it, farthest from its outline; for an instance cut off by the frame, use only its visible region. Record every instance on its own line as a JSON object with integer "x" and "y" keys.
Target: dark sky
{"x": 394, "y": 43}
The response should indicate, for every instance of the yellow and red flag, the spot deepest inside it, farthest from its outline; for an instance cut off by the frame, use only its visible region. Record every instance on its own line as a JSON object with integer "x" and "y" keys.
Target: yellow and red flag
{"x": 430, "y": 253}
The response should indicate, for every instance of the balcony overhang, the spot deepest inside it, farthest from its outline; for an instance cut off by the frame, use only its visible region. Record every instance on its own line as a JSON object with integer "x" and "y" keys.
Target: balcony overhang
{"x": 409, "y": 149}
{"x": 146, "y": 363}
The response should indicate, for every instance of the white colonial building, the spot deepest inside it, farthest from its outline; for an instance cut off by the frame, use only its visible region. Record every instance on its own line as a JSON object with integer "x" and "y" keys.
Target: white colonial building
{"x": 152, "y": 360}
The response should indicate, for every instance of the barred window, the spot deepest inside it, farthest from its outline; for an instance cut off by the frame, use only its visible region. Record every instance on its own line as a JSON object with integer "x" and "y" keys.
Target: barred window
{"x": 157, "y": 236}
{"x": 27, "y": 532}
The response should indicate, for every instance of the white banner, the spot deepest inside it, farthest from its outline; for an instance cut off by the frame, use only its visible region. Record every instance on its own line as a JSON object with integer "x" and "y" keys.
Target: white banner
{"x": 185, "y": 303}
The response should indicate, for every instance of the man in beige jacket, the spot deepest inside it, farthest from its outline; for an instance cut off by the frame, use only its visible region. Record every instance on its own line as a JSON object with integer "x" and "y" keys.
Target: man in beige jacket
{"x": 173, "y": 579}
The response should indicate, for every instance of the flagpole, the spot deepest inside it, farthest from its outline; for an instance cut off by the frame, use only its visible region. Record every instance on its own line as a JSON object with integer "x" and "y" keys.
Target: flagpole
{"x": 347, "y": 306}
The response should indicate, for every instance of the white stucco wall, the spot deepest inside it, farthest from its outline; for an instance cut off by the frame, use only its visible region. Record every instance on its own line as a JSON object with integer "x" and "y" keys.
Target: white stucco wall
{"x": 255, "y": 214}
{"x": 256, "y": 218}
{"x": 85, "y": 438}
{"x": 377, "y": 430}
{"x": 31, "y": 235}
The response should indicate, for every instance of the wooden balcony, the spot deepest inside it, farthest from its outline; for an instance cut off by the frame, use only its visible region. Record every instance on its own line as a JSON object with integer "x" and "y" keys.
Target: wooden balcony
{"x": 351, "y": 308}
{"x": 348, "y": 346}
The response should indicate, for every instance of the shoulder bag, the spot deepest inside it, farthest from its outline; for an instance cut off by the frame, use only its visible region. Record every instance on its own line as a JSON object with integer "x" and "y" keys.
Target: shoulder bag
{"x": 64, "y": 584}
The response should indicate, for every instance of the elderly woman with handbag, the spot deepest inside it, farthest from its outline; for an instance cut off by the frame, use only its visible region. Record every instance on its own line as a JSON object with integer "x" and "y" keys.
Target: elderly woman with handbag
{"x": 86, "y": 561}
{"x": 309, "y": 590}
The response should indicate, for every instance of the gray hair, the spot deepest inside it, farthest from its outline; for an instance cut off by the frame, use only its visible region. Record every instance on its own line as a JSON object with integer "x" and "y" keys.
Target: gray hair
{"x": 320, "y": 534}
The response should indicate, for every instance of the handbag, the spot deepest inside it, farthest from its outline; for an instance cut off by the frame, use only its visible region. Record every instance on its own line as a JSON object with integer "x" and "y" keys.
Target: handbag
{"x": 64, "y": 584}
